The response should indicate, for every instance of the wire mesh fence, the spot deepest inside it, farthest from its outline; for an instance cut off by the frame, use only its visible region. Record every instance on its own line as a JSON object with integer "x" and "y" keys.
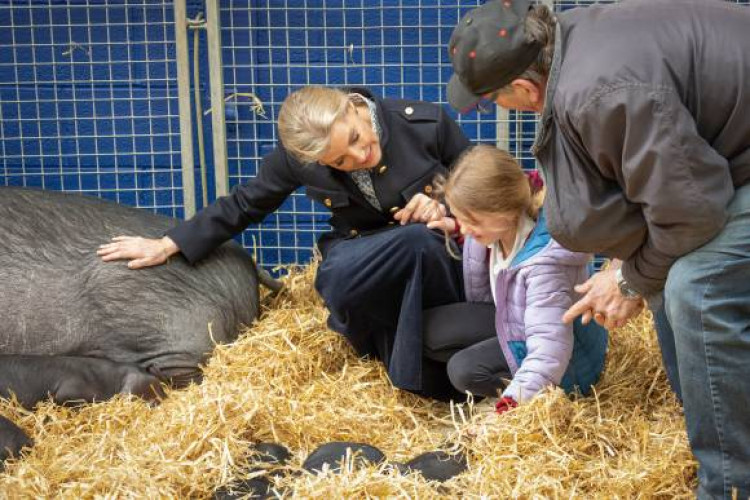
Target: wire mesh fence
{"x": 88, "y": 100}
{"x": 397, "y": 48}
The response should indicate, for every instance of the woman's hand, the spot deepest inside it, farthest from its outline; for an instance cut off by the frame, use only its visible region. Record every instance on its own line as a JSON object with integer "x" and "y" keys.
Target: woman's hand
{"x": 446, "y": 224}
{"x": 141, "y": 252}
{"x": 603, "y": 302}
{"x": 421, "y": 208}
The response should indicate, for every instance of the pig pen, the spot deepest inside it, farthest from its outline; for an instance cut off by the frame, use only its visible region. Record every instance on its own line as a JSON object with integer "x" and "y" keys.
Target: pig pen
{"x": 290, "y": 380}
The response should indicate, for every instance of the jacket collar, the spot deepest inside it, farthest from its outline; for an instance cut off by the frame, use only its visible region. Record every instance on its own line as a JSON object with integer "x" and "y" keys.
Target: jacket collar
{"x": 536, "y": 242}
{"x": 379, "y": 104}
{"x": 546, "y": 119}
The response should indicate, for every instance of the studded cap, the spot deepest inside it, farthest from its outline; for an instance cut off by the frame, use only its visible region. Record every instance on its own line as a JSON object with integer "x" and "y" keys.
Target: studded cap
{"x": 488, "y": 50}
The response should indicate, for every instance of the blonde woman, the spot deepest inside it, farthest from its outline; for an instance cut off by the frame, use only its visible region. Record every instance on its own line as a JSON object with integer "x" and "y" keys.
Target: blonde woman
{"x": 371, "y": 161}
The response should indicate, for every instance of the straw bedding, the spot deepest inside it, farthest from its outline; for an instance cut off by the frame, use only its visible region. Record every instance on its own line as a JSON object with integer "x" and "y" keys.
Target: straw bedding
{"x": 290, "y": 380}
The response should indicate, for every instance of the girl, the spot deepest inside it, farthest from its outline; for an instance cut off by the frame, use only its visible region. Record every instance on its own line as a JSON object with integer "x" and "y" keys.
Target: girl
{"x": 510, "y": 258}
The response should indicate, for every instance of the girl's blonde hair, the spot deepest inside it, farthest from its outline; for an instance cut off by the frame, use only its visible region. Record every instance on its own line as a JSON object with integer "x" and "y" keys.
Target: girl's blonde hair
{"x": 489, "y": 180}
{"x": 306, "y": 118}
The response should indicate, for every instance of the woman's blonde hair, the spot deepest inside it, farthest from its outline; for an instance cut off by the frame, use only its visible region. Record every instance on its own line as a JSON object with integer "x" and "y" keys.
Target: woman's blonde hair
{"x": 489, "y": 180}
{"x": 306, "y": 118}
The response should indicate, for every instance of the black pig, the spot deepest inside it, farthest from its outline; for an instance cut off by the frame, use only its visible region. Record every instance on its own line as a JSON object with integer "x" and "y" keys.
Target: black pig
{"x": 57, "y": 298}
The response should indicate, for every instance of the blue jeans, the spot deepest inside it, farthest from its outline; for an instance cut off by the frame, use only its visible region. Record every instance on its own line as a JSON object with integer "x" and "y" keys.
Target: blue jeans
{"x": 707, "y": 302}
{"x": 665, "y": 336}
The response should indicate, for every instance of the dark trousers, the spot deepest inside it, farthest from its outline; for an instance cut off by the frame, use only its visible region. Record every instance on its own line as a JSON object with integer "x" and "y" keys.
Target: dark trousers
{"x": 376, "y": 288}
{"x": 463, "y": 336}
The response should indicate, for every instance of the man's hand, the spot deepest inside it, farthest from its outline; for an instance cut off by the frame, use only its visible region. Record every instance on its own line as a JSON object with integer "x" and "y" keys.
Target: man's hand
{"x": 603, "y": 302}
{"x": 421, "y": 208}
{"x": 141, "y": 252}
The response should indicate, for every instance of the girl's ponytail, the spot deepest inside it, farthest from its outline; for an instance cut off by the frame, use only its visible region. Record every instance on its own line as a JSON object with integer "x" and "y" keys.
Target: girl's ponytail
{"x": 536, "y": 185}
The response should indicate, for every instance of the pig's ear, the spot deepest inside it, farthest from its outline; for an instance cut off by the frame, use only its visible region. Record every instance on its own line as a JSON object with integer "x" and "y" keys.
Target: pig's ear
{"x": 438, "y": 465}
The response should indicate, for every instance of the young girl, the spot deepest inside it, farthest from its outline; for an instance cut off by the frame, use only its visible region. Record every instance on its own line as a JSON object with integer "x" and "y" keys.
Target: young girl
{"x": 510, "y": 259}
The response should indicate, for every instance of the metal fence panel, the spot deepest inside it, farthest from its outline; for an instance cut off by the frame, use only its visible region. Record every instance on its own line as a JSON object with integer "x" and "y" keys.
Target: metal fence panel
{"x": 88, "y": 100}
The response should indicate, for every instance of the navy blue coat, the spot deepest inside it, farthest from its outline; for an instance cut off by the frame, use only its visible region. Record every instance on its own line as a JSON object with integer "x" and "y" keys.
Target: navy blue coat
{"x": 376, "y": 277}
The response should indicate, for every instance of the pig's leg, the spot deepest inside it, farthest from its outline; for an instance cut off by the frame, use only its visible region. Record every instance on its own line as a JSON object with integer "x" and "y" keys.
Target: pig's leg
{"x": 26, "y": 377}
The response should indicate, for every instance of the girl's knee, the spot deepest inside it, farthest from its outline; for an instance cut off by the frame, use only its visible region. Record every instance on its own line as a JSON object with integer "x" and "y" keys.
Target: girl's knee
{"x": 458, "y": 374}
{"x": 466, "y": 375}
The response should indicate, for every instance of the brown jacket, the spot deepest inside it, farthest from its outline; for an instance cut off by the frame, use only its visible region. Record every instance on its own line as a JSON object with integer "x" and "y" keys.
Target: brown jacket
{"x": 646, "y": 129}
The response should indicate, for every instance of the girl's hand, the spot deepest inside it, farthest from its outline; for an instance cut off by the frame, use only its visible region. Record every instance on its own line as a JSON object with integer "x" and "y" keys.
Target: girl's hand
{"x": 504, "y": 404}
{"x": 446, "y": 224}
{"x": 603, "y": 302}
{"x": 421, "y": 208}
{"x": 141, "y": 252}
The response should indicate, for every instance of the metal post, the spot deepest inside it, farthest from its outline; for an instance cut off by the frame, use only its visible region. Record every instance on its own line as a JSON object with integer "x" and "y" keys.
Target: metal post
{"x": 502, "y": 127}
{"x": 213, "y": 30}
{"x": 183, "y": 92}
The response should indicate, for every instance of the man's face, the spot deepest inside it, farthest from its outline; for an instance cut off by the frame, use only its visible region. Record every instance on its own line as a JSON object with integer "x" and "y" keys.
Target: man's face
{"x": 521, "y": 95}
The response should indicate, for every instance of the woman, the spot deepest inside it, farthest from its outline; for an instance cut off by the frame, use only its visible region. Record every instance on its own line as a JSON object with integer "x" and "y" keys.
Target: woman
{"x": 371, "y": 161}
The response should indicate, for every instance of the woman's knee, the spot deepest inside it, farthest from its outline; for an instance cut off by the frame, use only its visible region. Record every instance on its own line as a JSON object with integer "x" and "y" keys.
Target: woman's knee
{"x": 418, "y": 239}
{"x": 336, "y": 285}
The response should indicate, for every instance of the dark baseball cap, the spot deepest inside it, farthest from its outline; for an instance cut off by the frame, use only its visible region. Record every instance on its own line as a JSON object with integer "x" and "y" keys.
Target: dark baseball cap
{"x": 489, "y": 50}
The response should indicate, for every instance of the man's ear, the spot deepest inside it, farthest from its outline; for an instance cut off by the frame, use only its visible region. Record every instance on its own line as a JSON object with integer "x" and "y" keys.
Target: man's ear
{"x": 534, "y": 92}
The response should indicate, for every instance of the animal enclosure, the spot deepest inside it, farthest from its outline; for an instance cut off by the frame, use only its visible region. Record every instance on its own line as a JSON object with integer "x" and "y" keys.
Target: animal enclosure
{"x": 165, "y": 105}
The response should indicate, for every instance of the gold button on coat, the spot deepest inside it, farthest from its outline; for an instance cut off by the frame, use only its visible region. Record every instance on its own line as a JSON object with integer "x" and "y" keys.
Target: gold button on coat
{"x": 395, "y": 209}
{"x": 409, "y": 110}
{"x": 383, "y": 169}
{"x": 327, "y": 202}
{"x": 428, "y": 189}
{"x": 353, "y": 232}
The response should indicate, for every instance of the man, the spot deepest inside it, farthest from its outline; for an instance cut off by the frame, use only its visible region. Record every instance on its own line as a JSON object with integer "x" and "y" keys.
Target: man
{"x": 644, "y": 144}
